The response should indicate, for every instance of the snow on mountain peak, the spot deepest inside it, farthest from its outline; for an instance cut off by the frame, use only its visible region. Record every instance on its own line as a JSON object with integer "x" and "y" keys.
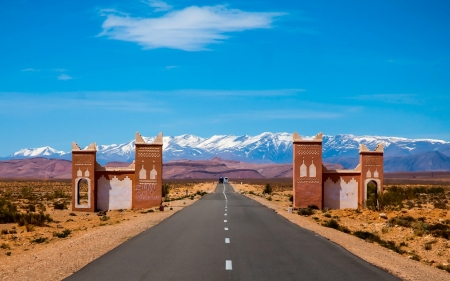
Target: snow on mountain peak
{"x": 265, "y": 147}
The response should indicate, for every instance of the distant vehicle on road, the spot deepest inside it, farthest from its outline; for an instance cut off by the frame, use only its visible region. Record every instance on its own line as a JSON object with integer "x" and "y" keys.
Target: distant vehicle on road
{"x": 221, "y": 180}
{"x": 225, "y": 180}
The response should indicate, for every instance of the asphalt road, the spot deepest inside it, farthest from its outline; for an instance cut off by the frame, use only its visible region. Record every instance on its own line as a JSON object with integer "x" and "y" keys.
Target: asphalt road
{"x": 226, "y": 236}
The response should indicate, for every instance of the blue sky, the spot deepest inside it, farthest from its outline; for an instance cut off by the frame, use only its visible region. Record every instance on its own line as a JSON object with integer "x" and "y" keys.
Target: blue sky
{"x": 99, "y": 71}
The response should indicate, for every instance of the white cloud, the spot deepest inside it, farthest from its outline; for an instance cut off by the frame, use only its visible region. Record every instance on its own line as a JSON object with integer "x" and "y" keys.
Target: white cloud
{"x": 30, "y": 70}
{"x": 159, "y": 6}
{"x": 190, "y": 29}
{"x": 64, "y": 77}
{"x": 169, "y": 67}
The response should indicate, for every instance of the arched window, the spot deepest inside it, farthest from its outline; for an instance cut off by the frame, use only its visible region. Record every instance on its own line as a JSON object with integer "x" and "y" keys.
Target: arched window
{"x": 83, "y": 195}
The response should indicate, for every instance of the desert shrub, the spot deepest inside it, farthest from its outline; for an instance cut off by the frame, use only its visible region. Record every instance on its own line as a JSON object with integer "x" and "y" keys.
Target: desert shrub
{"x": 269, "y": 198}
{"x": 73, "y": 214}
{"x": 26, "y": 192}
{"x": 327, "y": 215}
{"x": 5, "y": 246}
{"x": 166, "y": 189}
{"x": 201, "y": 193}
{"x": 403, "y": 244}
{"x": 440, "y": 205}
{"x": 444, "y": 267}
{"x": 60, "y": 205}
{"x": 305, "y": 212}
{"x": 4, "y": 231}
{"x": 37, "y": 219}
{"x": 60, "y": 193}
{"x": 63, "y": 234}
{"x": 291, "y": 198}
{"x": 104, "y": 218}
{"x": 315, "y": 218}
{"x": 31, "y": 208}
{"x": 314, "y": 207}
{"x": 8, "y": 254}
{"x": 439, "y": 230}
{"x": 251, "y": 192}
{"x": 39, "y": 240}
{"x": 268, "y": 189}
{"x": 394, "y": 196}
{"x": 8, "y": 211}
{"x": 416, "y": 257}
{"x": 335, "y": 225}
{"x": 370, "y": 237}
{"x": 402, "y": 221}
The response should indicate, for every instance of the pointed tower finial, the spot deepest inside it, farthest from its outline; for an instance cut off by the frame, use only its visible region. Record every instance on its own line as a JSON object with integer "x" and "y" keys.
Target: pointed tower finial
{"x": 139, "y": 138}
{"x": 75, "y": 146}
{"x": 159, "y": 139}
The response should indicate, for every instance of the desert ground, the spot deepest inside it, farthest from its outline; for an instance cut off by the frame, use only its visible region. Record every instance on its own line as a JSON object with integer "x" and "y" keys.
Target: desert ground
{"x": 37, "y": 227}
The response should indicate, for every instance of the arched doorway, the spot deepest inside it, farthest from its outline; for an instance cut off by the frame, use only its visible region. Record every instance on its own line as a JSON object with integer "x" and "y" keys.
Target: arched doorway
{"x": 372, "y": 195}
{"x": 83, "y": 192}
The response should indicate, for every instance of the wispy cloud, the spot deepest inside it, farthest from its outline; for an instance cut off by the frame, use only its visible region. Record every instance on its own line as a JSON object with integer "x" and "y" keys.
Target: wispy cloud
{"x": 390, "y": 98}
{"x": 64, "y": 77}
{"x": 70, "y": 101}
{"x": 30, "y": 70}
{"x": 159, "y": 6}
{"x": 190, "y": 29}
{"x": 58, "y": 70}
{"x": 169, "y": 67}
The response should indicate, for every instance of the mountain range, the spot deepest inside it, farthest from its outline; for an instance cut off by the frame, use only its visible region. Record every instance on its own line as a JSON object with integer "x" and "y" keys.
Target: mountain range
{"x": 401, "y": 154}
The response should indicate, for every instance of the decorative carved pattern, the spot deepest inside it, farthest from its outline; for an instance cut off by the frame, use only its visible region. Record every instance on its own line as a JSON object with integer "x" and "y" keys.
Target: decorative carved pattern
{"x": 82, "y": 159}
{"x": 146, "y": 154}
{"x": 312, "y": 149}
{"x": 309, "y": 180}
{"x": 372, "y": 160}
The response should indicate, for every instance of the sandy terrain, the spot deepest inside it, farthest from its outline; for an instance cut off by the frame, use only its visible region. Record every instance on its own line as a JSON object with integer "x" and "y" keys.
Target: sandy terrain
{"x": 37, "y": 254}
{"x": 403, "y": 266}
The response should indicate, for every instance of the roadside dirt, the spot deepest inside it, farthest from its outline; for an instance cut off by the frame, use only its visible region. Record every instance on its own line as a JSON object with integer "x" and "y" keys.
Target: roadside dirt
{"x": 35, "y": 253}
{"x": 420, "y": 254}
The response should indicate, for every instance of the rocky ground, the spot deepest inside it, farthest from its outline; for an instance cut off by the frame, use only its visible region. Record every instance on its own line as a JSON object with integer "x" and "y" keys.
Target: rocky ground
{"x": 402, "y": 240}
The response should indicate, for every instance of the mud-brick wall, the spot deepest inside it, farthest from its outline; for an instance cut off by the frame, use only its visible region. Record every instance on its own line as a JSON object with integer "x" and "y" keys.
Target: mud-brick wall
{"x": 307, "y": 174}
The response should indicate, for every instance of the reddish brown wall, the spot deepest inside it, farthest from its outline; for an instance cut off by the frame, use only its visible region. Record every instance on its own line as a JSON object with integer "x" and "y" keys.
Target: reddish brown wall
{"x": 147, "y": 192}
{"x": 370, "y": 162}
{"x": 307, "y": 187}
{"x": 83, "y": 161}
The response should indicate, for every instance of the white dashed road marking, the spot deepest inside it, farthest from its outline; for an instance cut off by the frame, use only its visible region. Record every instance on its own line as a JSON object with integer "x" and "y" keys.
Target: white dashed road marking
{"x": 224, "y": 220}
{"x": 226, "y": 228}
{"x": 228, "y": 265}
{"x": 227, "y": 240}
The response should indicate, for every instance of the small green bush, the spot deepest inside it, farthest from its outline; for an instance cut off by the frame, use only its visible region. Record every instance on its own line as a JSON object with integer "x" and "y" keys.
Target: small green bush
{"x": 60, "y": 205}
{"x": 63, "y": 234}
{"x": 39, "y": 240}
{"x": 305, "y": 212}
{"x": 267, "y": 189}
{"x": 104, "y": 218}
{"x": 327, "y": 215}
{"x": 444, "y": 267}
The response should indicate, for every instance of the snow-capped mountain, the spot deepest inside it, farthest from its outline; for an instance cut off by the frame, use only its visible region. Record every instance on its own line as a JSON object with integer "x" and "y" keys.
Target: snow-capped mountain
{"x": 264, "y": 148}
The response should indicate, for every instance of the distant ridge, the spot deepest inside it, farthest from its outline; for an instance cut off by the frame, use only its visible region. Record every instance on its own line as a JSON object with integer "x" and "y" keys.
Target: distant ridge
{"x": 275, "y": 148}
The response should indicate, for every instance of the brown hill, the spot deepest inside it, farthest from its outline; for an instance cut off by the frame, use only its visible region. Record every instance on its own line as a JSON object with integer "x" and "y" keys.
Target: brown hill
{"x": 36, "y": 168}
{"x": 41, "y": 168}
